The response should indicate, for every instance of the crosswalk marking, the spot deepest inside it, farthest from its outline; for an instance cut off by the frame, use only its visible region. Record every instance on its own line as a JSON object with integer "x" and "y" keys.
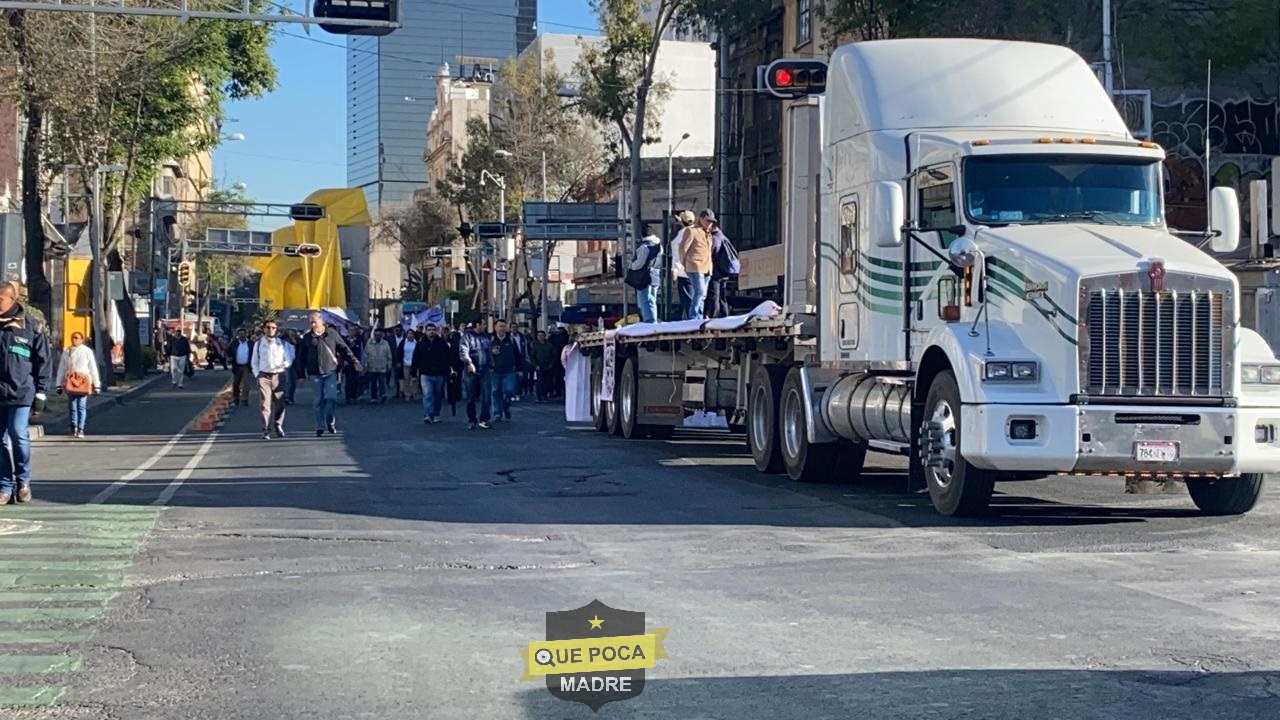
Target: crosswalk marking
{"x": 62, "y": 565}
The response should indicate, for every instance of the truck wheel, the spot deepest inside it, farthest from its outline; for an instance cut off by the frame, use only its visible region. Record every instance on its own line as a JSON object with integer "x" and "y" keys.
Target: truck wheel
{"x": 956, "y": 487}
{"x": 629, "y": 402}
{"x": 1227, "y": 496}
{"x": 803, "y": 460}
{"x": 762, "y": 417}
{"x": 597, "y": 405}
{"x": 612, "y": 418}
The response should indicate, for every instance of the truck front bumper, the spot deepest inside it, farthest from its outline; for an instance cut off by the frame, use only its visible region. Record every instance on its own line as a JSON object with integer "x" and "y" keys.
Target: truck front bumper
{"x": 1104, "y": 439}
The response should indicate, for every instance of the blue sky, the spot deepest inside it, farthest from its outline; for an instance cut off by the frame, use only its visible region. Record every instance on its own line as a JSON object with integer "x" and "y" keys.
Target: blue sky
{"x": 294, "y": 137}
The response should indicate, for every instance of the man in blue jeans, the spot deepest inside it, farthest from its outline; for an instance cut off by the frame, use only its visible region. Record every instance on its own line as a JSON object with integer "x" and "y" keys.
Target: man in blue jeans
{"x": 317, "y": 358}
{"x": 433, "y": 360}
{"x": 24, "y": 379}
{"x": 477, "y": 363}
{"x": 508, "y": 360}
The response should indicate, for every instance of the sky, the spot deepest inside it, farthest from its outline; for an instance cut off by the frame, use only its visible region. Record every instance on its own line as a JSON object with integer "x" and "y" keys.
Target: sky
{"x": 294, "y": 137}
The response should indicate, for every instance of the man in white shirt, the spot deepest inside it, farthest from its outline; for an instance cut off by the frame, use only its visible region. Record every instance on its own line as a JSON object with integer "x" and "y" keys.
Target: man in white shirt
{"x": 678, "y": 274}
{"x": 271, "y": 359}
{"x": 408, "y": 383}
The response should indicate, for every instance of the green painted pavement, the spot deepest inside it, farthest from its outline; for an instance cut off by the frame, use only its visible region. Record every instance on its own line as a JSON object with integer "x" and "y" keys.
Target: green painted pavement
{"x": 31, "y": 543}
{"x": 38, "y": 614}
{"x": 38, "y": 663}
{"x": 30, "y": 696}
{"x": 120, "y": 553}
{"x": 93, "y": 580}
{"x": 58, "y": 596}
{"x": 44, "y": 637}
{"x": 8, "y": 565}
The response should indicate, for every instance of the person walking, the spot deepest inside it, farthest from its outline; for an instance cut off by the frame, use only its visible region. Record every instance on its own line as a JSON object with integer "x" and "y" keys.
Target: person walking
{"x": 78, "y": 378}
{"x": 351, "y": 373}
{"x": 453, "y": 390}
{"x": 269, "y": 363}
{"x": 695, "y": 256}
{"x": 179, "y": 351}
{"x": 377, "y": 357}
{"x": 507, "y": 363}
{"x": 647, "y": 266}
{"x": 24, "y": 381}
{"x": 408, "y": 385}
{"x": 477, "y": 362}
{"x": 544, "y": 357}
{"x": 318, "y": 352}
{"x": 241, "y": 352}
{"x": 395, "y": 337}
{"x": 432, "y": 362}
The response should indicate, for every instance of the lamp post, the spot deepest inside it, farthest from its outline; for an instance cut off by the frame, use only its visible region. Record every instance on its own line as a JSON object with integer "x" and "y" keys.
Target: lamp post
{"x": 501, "y": 182}
{"x": 671, "y": 211}
{"x": 546, "y": 244}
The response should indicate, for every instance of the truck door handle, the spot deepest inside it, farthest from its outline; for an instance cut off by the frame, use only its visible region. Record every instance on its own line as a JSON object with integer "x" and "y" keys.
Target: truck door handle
{"x": 842, "y": 324}
{"x": 920, "y": 310}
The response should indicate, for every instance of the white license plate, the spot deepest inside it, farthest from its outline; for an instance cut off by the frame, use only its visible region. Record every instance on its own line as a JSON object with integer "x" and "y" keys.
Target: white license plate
{"x": 1155, "y": 451}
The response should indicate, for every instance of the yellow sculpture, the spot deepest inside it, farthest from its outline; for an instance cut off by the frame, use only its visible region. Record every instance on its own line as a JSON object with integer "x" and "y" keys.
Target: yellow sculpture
{"x": 299, "y": 282}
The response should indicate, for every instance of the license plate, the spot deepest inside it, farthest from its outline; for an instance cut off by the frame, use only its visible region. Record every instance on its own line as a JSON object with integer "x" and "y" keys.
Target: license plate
{"x": 1155, "y": 451}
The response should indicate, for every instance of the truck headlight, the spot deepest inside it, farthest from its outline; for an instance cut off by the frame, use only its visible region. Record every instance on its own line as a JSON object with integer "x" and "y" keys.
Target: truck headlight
{"x": 1260, "y": 374}
{"x": 1020, "y": 371}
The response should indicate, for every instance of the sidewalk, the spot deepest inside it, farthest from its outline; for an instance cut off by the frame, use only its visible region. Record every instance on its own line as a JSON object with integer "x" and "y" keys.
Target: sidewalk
{"x": 56, "y": 417}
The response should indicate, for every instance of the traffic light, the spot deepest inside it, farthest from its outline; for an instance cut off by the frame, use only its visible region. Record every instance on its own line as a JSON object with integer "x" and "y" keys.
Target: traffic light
{"x": 464, "y": 230}
{"x": 186, "y": 273}
{"x": 384, "y": 10}
{"x": 616, "y": 261}
{"x": 309, "y": 250}
{"x": 306, "y": 211}
{"x": 790, "y": 79}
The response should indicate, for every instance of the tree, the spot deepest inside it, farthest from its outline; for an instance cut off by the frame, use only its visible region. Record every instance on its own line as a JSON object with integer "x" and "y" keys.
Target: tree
{"x": 134, "y": 91}
{"x": 414, "y": 230}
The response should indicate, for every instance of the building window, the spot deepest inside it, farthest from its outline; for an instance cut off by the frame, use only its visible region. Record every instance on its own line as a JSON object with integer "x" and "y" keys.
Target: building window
{"x": 804, "y": 30}
{"x": 849, "y": 240}
{"x": 166, "y": 185}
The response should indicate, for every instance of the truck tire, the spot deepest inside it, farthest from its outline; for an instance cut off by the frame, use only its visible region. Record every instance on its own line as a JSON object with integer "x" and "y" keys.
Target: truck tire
{"x": 597, "y": 405}
{"x": 612, "y": 418}
{"x": 629, "y": 402}
{"x": 1227, "y": 496}
{"x": 957, "y": 488}
{"x": 762, "y": 417}
{"x": 804, "y": 461}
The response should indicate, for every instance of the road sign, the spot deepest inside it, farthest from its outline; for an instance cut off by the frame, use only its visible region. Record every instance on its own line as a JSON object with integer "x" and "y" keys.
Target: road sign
{"x": 440, "y": 251}
{"x": 490, "y": 230}
{"x": 230, "y": 241}
{"x": 502, "y": 275}
{"x": 306, "y": 211}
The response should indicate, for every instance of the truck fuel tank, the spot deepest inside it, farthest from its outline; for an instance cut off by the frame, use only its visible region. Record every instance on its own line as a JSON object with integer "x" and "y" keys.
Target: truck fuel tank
{"x": 869, "y": 407}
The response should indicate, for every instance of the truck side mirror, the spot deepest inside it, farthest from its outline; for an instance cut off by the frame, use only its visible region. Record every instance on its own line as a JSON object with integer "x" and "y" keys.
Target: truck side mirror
{"x": 1226, "y": 220}
{"x": 888, "y": 214}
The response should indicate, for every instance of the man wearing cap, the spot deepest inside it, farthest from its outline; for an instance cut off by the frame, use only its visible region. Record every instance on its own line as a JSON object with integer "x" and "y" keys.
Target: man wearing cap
{"x": 695, "y": 254}
{"x": 716, "y": 306}
{"x": 678, "y": 275}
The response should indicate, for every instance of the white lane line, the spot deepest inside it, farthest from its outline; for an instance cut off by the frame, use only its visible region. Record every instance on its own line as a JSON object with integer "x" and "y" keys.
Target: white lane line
{"x": 137, "y": 472}
{"x": 187, "y": 470}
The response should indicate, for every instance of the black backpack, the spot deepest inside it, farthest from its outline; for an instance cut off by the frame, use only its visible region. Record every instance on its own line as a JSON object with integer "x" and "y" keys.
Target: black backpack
{"x": 642, "y": 278}
{"x": 725, "y": 262}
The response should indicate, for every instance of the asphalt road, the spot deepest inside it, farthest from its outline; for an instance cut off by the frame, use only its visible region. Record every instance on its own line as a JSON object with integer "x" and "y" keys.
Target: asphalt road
{"x": 394, "y": 570}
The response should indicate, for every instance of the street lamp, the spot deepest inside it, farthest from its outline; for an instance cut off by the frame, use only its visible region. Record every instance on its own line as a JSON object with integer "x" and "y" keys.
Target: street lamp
{"x": 501, "y": 182}
{"x": 234, "y": 137}
{"x": 549, "y": 139}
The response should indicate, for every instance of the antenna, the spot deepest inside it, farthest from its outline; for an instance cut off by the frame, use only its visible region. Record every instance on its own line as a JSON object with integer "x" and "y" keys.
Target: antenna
{"x": 1208, "y": 173}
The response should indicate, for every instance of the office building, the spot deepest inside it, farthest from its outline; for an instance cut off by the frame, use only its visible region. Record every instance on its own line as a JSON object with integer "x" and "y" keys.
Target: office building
{"x": 391, "y": 85}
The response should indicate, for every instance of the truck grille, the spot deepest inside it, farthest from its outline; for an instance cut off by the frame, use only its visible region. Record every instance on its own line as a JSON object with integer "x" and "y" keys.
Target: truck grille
{"x": 1168, "y": 343}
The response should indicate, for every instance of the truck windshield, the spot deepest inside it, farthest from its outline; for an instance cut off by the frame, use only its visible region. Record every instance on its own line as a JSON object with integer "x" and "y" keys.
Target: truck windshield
{"x": 1000, "y": 190}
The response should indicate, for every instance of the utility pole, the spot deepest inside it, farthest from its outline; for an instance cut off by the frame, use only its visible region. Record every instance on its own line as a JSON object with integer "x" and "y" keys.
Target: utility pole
{"x": 96, "y": 296}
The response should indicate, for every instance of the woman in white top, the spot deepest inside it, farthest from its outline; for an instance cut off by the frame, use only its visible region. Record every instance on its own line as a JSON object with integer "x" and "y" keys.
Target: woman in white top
{"x": 78, "y": 378}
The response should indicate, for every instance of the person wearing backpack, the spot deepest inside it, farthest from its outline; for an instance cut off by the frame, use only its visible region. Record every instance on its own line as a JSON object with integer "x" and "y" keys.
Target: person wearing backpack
{"x": 79, "y": 379}
{"x": 644, "y": 274}
{"x": 724, "y": 265}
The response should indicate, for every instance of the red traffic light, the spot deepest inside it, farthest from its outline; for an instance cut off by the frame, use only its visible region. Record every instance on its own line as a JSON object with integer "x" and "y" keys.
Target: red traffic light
{"x": 795, "y": 78}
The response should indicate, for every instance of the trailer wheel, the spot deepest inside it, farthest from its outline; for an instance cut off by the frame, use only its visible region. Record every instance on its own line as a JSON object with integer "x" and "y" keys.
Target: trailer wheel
{"x": 804, "y": 461}
{"x": 1226, "y": 496}
{"x": 613, "y": 418}
{"x": 628, "y": 402}
{"x": 956, "y": 487}
{"x": 598, "y": 420}
{"x": 762, "y": 417}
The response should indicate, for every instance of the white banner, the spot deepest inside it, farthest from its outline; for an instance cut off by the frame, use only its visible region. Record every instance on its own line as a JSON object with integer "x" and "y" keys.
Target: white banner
{"x": 610, "y": 356}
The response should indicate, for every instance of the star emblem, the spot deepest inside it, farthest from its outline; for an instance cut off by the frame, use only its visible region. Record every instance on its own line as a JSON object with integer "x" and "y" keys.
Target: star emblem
{"x": 596, "y": 622}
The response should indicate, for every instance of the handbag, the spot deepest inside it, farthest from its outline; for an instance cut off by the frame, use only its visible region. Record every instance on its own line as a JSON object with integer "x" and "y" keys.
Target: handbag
{"x": 77, "y": 383}
{"x": 640, "y": 278}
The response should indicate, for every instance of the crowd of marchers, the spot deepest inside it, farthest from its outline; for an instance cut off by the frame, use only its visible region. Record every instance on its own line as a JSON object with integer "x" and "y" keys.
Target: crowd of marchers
{"x": 437, "y": 365}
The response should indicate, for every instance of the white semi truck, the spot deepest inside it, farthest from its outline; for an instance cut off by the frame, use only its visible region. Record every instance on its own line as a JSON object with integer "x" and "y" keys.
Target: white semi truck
{"x": 979, "y": 277}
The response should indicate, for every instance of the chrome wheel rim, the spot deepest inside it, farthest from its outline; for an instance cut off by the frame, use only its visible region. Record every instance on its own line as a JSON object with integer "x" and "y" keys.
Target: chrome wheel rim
{"x": 759, "y": 423}
{"x": 944, "y": 419}
{"x": 628, "y": 397}
{"x": 792, "y": 424}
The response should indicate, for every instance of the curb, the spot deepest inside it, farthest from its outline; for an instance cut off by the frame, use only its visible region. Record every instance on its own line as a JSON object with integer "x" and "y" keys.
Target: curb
{"x": 98, "y": 401}
{"x": 211, "y": 416}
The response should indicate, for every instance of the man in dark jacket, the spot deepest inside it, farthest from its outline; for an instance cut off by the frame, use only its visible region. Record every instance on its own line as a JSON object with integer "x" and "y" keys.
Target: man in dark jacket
{"x": 396, "y": 338}
{"x": 545, "y": 357}
{"x": 433, "y": 360}
{"x": 179, "y": 352}
{"x": 318, "y": 351}
{"x": 477, "y": 363}
{"x": 24, "y": 379}
{"x": 508, "y": 361}
{"x": 241, "y": 352}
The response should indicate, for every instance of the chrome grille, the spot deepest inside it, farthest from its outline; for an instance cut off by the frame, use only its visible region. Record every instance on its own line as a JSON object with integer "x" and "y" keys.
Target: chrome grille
{"x": 1146, "y": 343}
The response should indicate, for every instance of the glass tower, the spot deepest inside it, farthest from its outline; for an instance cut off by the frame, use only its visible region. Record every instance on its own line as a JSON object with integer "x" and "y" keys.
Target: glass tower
{"x": 391, "y": 85}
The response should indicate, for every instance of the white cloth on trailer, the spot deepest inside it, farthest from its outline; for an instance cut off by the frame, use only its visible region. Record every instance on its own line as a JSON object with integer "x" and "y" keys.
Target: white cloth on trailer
{"x": 766, "y": 309}
{"x": 577, "y": 386}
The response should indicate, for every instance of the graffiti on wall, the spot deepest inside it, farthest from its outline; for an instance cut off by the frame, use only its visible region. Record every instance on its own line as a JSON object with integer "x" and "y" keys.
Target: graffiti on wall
{"x": 1244, "y": 135}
